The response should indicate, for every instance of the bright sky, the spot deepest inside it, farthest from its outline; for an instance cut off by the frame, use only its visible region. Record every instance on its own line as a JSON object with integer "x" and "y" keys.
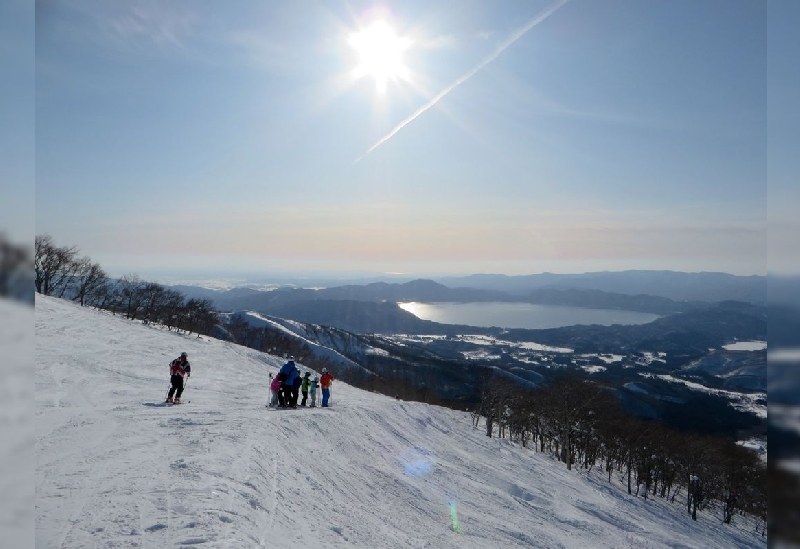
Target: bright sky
{"x": 431, "y": 138}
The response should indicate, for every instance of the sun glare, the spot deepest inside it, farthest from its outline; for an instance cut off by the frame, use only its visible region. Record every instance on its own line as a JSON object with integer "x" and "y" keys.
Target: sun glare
{"x": 380, "y": 53}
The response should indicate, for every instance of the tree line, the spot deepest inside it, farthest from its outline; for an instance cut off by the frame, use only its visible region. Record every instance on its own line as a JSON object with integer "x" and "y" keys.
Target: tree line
{"x": 61, "y": 271}
{"x": 581, "y": 424}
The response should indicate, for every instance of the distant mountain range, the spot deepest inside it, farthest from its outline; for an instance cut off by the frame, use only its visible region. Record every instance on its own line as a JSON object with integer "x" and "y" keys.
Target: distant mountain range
{"x": 372, "y": 307}
{"x": 673, "y": 285}
{"x": 601, "y": 289}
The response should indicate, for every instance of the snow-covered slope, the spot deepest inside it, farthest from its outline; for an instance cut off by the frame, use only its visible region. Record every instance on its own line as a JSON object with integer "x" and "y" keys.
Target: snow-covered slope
{"x": 16, "y": 421}
{"x": 115, "y": 468}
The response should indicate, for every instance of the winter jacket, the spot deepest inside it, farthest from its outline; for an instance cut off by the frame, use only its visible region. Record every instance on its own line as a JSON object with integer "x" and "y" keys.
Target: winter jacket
{"x": 313, "y": 387}
{"x": 325, "y": 380}
{"x": 304, "y": 385}
{"x": 289, "y": 371}
{"x": 179, "y": 367}
{"x": 275, "y": 385}
{"x": 297, "y": 382}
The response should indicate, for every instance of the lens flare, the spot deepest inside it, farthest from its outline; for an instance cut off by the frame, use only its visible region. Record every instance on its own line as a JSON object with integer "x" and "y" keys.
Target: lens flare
{"x": 419, "y": 462}
{"x": 454, "y": 517}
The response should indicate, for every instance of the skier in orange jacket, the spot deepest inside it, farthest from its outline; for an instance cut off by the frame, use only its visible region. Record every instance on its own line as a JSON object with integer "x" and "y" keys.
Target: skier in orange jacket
{"x": 325, "y": 382}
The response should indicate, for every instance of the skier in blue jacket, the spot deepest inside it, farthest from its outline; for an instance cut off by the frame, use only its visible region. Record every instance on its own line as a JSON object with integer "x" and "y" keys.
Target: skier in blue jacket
{"x": 289, "y": 371}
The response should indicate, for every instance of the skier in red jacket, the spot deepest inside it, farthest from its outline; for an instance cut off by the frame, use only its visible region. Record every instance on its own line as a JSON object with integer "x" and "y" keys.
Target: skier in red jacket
{"x": 325, "y": 382}
{"x": 177, "y": 369}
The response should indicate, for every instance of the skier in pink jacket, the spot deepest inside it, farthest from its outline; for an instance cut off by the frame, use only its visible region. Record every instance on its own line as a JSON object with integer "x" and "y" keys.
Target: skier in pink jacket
{"x": 274, "y": 387}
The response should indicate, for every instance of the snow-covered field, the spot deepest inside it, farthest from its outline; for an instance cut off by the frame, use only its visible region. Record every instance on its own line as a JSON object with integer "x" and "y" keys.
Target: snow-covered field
{"x": 116, "y": 468}
{"x": 16, "y": 418}
{"x": 754, "y": 403}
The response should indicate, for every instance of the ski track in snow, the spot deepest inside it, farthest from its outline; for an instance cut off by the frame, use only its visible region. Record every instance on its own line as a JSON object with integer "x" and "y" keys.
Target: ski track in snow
{"x": 115, "y": 468}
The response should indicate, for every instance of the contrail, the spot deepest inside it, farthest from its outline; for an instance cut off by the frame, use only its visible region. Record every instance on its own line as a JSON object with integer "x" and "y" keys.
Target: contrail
{"x": 460, "y": 80}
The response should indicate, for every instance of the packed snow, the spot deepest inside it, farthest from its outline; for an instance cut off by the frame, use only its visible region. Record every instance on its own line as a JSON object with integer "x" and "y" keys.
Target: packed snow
{"x": 116, "y": 467}
{"x": 16, "y": 418}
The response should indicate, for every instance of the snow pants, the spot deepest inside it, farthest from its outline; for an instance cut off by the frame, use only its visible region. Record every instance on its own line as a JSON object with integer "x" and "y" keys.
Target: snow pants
{"x": 273, "y": 401}
{"x": 326, "y": 394}
{"x": 177, "y": 386}
{"x": 305, "y": 398}
{"x": 313, "y": 398}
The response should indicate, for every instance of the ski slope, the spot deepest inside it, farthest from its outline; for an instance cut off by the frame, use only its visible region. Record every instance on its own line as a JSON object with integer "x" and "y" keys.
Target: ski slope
{"x": 16, "y": 418}
{"x": 117, "y": 468}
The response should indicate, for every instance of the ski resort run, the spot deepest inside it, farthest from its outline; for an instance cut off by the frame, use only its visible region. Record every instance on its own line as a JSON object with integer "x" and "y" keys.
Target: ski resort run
{"x": 115, "y": 467}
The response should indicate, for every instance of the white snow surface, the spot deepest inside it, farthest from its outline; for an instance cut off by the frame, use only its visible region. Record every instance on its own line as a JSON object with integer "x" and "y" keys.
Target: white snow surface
{"x": 16, "y": 419}
{"x": 116, "y": 468}
{"x": 754, "y": 403}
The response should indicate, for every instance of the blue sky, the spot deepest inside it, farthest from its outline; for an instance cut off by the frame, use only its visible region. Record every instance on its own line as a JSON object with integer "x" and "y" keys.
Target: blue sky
{"x": 16, "y": 121}
{"x": 232, "y": 136}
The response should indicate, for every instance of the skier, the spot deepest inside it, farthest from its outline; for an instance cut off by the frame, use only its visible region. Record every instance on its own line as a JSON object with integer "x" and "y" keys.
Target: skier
{"x": 281, "y": 390}
{"x": 313, "y": 390}
{"x": 274, "y": 387}
{"x": 304, "y": 387}
{"x": 298, "y": 381}
{"x": 287, "y": 374}
{"x": 177, "y": 369}
{"x": 325, "y": 381}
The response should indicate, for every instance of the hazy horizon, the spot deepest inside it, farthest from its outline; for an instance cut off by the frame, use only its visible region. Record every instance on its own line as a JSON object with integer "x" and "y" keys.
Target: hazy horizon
{"x": 266, "y": 276}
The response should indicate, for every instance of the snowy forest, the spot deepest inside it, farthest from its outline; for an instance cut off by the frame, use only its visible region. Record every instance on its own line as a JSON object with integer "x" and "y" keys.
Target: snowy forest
{"x": 581, "y": 425}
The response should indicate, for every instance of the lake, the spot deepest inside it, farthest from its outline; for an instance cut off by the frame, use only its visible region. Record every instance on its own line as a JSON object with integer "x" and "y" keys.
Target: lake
{"x": 521, "y": 315}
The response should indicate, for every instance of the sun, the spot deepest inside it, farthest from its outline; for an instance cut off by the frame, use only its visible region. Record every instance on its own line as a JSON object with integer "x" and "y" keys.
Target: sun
{"x": 380, "y": 53}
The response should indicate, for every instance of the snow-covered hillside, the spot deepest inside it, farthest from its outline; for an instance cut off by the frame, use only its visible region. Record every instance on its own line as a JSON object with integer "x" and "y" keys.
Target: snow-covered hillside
{"x": 16, "y": 418}
{"x": 116, "y": 468}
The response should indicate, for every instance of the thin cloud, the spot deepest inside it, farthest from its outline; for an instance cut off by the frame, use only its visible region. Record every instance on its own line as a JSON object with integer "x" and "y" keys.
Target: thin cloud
{"x": 500, "y": 49}
{"x": 155, "y": 22}
{"x": 445, "y": 41}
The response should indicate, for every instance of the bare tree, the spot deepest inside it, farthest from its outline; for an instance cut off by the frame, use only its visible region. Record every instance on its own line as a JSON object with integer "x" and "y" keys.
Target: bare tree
{"x": 53, "y": 265}
{"x": 200, "y": 316}
{"x": 132, "y": 294}
{"x": 153, "y": 298}
{"x": 570, "y": 404}
{"x": 90, "y": 277}
{"x": 169, "y": 314}
{"x": 497, "y": 396}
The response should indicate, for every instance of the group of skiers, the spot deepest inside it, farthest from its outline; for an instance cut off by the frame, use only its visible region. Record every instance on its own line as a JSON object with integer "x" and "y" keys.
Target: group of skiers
{"x": 285, "y": 388}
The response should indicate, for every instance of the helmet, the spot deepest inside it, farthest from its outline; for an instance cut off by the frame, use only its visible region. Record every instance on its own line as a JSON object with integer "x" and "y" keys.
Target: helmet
{"x": 324, "y": 370}
{"x": 184, "y": 355}
{"x": 308, "y": 374}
